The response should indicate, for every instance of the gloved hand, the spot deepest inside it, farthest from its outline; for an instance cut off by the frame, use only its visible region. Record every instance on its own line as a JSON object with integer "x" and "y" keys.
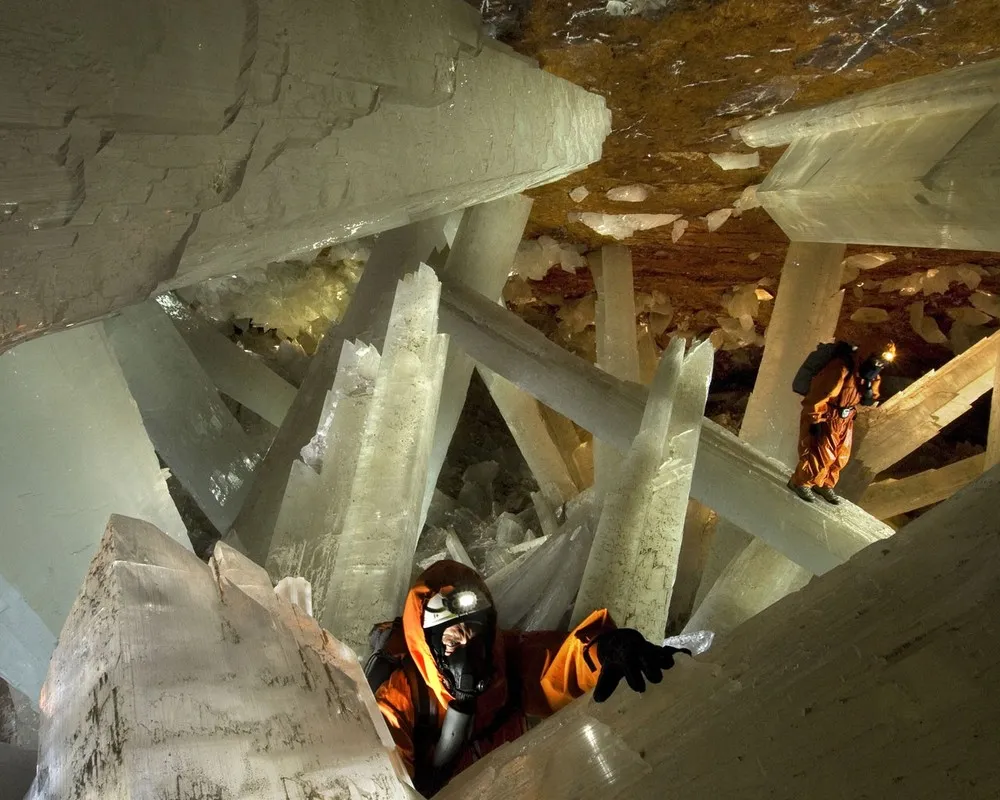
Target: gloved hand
{"x": 816, "y": 429}
{"x": 624, "y": 653}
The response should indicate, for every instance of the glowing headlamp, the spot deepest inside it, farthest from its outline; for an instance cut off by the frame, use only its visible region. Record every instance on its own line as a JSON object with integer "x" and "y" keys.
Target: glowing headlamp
{"x": 888, "y": 356}
{"x": 460, "y": 602}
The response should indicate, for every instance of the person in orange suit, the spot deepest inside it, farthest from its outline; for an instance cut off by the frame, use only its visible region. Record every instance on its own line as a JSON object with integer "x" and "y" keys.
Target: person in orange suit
{"x": 464, "y": 687}
{"x": 826, "y": 427}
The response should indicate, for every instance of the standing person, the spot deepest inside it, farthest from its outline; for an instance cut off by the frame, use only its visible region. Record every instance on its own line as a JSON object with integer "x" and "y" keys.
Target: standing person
{"x": 826, "y": 427}
{"x": 460, "y": 687}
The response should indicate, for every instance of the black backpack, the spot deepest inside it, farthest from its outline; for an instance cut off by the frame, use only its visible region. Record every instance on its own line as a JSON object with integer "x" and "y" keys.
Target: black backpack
{"x": 819, "y": 358}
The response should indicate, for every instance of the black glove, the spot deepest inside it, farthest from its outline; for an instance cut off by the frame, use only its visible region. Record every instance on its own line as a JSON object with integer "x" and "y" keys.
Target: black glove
{"x": 816, "y": 429}
{"x": 624, "y": 653}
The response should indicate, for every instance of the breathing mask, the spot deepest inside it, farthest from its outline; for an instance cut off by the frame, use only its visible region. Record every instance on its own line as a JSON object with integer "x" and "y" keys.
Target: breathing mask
{"x": 459, "y": 627}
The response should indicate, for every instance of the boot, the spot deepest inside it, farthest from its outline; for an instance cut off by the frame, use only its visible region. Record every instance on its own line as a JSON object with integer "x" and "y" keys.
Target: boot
{"x": 801, "y": 491}
{"x": 827, "y": 494}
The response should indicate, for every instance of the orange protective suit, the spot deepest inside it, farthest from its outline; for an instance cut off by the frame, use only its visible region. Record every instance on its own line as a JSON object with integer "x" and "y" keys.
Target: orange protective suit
{"x": 552, "y": 669}
{"x": 835, "y": 387}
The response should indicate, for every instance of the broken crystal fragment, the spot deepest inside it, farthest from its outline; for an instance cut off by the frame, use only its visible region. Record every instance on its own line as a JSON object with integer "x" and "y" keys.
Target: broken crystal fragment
{"x": 866, "y": 261}
{"x": 578, "y": 194}
{"x": 621, "y": 226}
{"x": 677, "y": 232}
{"x": 763, "y": 294}
{"x": 730, "y": 161}
{"x": 747, "y": 201}
{"x": 907, "y": 285}
{"x": 986, "y": 302}
{"x": 870, "y": 316}
{"x": 628, "y": 194}
{"x": 969, "y": 315}
{"x": 715, "y": 219}
{"x": 924, "y": 326}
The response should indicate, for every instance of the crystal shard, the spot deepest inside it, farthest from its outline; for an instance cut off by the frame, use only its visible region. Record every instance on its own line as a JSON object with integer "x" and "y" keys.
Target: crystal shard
{"x": 633, "y": 562}
{"x": 621, "y": 226}
{"x": 81, "y": 455}
{"x": 381, "y": 522}
{"x": 233, "y": 692}
{"x": 192, "y": 429}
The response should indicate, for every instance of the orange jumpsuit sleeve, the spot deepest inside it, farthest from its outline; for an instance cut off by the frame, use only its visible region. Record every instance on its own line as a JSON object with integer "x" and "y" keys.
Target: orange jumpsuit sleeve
{"x": 825, "y": 386}
{"x": 554, "y": 667}
{"x": 395, "y": 701}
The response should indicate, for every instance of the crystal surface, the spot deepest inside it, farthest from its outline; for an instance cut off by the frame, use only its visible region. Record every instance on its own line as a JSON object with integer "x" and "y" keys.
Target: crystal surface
{"x": 889, "y": 497}
{"x": 81, "y": 455}
{"x": 235, "y": 372}
{"x": 730, "y": 161}
{"x": 621, "y": 226}
{"x": 396, "y": 253}
{"x": 371, "y": 571}
{"x": 634, "y": 193}
{"x": 311, "y": 518}
{"x": 617, "y": 345}
{"x": 160, "y": 648}
{"x": 192, "y": 429}
{"x": 633, "y": 562}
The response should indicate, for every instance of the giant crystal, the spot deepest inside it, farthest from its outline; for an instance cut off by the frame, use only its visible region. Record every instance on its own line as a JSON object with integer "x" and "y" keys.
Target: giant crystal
{"x": 235, "y": 372}
{"x": 174, "y": 678}
{"x": 730, "y": 476}
{"x": 915, "y": 415}
{"x": 524, "y": 419}
{"x": 890, "y": 497}
{"x": 301, "y": 125}
{"x": 806, "y": 309}
{"x": 382, "y": 521}
{"x": 192, "y": 429}
{"x": 911, "y": 164}
{"x": 75, "y": 452}
{"x": 480, "y": 258}
{"x": 319, "y": 486}
{"x": 633, "y": 562}
{"x": 858, "y": 685}
{"x": 617, "y": 345}
{"x": 396, "y": 253}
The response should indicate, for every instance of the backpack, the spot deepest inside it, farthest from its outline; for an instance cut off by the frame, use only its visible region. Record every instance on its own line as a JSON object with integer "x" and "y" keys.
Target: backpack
{"x": 819, "y": 358}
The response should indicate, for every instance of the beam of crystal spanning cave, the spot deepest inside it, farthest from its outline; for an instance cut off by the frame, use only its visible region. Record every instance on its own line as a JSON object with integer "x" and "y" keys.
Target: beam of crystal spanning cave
{"x": 480, "y": 258}
{"x": 633, "y": 562}
{"x": 302, "y": 125}
{"x": 893, "y": 166}
{"x": 235, "y": 372}
{"x": 890, "y": 497}
{"x": 806, "y": 308}
{"x": 523, "y": 416}
{"x": 371, "y": 573}
{"x": 915, "y": 415}
{"x": 285, "y": 706}
{"x": 396, "y": 253}
{"x": 316, "y": 498}
{"x": 973, "y": 86}
{"x": 190, "y": 427}
{"x": 800, "y": 690}
{"x": 617, "y": 345}
{"x": 75, "y": 452}
{"x": 993, "y": 434}
{"x": 730, "y": 476}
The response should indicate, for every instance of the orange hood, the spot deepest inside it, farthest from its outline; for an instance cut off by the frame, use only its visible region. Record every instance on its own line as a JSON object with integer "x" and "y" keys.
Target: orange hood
{"x": 440, "y": 575}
